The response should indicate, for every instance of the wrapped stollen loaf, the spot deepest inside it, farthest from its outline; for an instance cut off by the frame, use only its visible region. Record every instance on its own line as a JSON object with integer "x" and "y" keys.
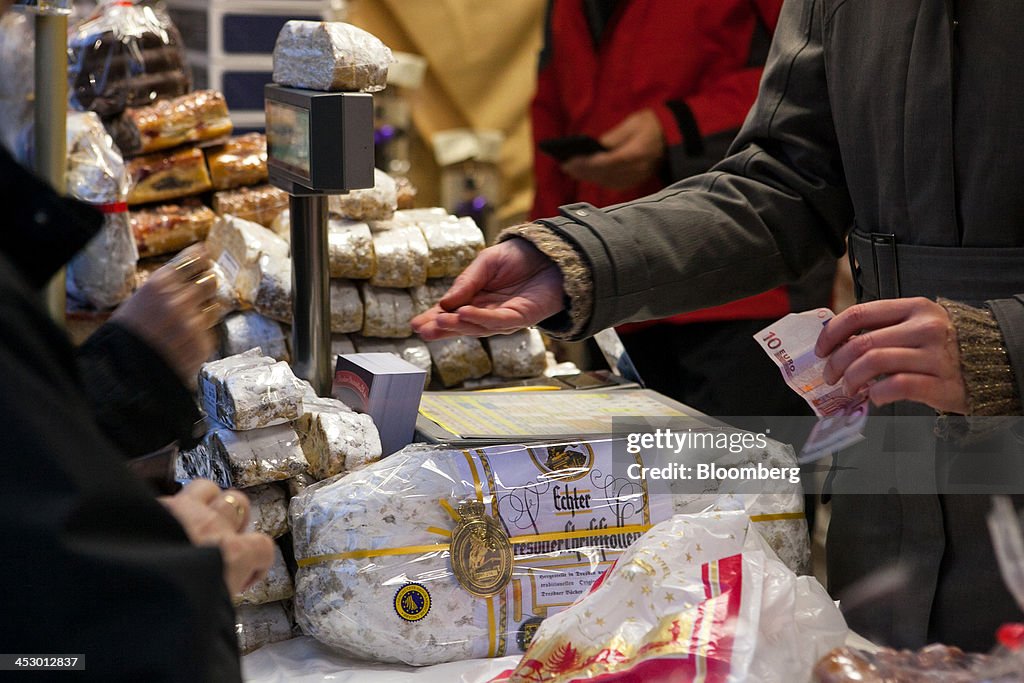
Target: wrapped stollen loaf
{"x": 350, "y": 249}
{"x": 245, "y": 330}
{"x": 335, "y": 439}
{"x": 237, "y": 245}
{"x": 249, "y": 391}
{"x": 269, "y": 506}
{"x": 199, "y": 463}
{"x": 401, "y": 255}
{"x": 260, "y": 203}
{"x": 226, "y": 296}
{"x": 349, "y": 245}
{"x": 330, "y": 56}
{"x": 452, "y": 244}
{"x": 103, "y": 273}
{"x": 428, "y": 295}
{"x": 520, "y": 354}
{"x": 386, "y": 312}
{"x": 274, "y": 291}
{"x": 259, "y": 625}
{"x": 275, "y": 586}
{"x": 458, "y": 359}
{"x": 258, "y": 456}
{"x": 376, "y": 203}
{"x": 346, "y": 307}
{"x": 431, "y": 555}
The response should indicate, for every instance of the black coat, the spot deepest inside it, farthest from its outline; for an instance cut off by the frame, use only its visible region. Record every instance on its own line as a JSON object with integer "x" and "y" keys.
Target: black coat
{"x": 91, "y": 564}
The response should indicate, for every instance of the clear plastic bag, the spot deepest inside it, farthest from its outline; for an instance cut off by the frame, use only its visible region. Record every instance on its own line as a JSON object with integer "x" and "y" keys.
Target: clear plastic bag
{"x": 373, "y": 204}
{"x": 125, "y": 55}
{"x": 196, "y": 117}
{"x": 386, "y": 312}
{"x": 248, "y": 329}
{"x": 696, "y": 595}
{"x": 250, "y": 391}
{"x": 258, "y": 456}
{"x": 260, "y": 204}
{"x": 330, "y": 56}
{"x": 103, "y": 273}
{"x": 169, "y": 228}
{"x": 458, "y": 359}
{"x": 269, "y": 510}
{"x": 259, "y": 625}
{"x": 401, "y": 254}
{"x": 238, "y": 162}
{"x": 274, "y": 587}
{"x": 335, "y": 439}
{"x": 520, "y": 354}
{"x": 386, "y": 568}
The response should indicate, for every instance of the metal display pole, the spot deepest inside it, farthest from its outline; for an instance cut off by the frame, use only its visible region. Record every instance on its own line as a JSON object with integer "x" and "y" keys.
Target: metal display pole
{"x": 50, "y": 144}
{"x": 311, "y": 296}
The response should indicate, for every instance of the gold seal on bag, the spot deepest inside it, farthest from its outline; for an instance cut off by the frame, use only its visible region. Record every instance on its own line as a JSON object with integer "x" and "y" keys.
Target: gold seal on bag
{"x": 481, "y": 553}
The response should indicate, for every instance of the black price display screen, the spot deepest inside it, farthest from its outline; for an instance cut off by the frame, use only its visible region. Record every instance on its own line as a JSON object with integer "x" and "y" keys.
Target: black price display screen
{"x": 288, "y": 136}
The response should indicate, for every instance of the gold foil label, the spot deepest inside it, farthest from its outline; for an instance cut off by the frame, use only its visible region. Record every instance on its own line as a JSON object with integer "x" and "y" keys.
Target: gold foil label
{"x": 481, "y": 553}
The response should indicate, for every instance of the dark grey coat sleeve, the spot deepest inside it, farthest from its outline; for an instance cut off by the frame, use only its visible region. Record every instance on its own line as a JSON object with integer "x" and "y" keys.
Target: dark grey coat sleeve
{"x": 762, "y": 217}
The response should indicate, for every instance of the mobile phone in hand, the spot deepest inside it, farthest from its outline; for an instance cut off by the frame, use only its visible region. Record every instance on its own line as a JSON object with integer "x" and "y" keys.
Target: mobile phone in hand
{"x": 565, "y": 148}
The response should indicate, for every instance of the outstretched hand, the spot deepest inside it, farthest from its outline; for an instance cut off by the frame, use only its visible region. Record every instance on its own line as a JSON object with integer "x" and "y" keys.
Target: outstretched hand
{"x": 896, "y": 350}
{"x": 635, "y": 150}
{"x": 509, "y": 286}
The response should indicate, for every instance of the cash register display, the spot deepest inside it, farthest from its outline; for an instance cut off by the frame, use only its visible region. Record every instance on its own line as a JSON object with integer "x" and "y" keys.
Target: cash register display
{"x": 288, "y": 136}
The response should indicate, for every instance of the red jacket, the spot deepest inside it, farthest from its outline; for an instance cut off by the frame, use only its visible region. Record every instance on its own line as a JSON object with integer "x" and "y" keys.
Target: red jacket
{"x": 688, "y": 60}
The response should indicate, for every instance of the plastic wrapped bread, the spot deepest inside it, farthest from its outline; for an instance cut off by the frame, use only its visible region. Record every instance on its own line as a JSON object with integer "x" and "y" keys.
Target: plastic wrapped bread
{"x": 103, "y": 273}
{"x": 274, "y": 292}
{"x": 346, "y": 307}
{"x": 520, "y": 354}
{"x": 386, "y": 312}
{"x": 259, "y": 625}
{"x": 458, "y": 359}
{"x": 453, "y": 245}
{"x": 240, "y": 161}
{"x": 335, "y": 439}
{"x": 330, "y": 56}
{"x": 226, "y": 296}
{"x": 350, "y": 249}
{"x": 125, "y": 55}
{"x": 427, "y": 295}
{"x": 249, "y": 391}
{"x": 260, "y": 204}
{"x": 167, "y": 175}
{"x": 245, "y": 330}
{"x": 169, "y": 228}
{"x": 237, "y": 244}
{"x": 196, "y": 117}
{"x": 199, "y": 463}
{"x": 401, "y": 254}
{"x": 405, "y": 193}
{"x": 275, "y": 586}
{"x": 376, "y": 203}
{"x": 258, "y": 456}
{"x": 365, "y": 541}
{"x": 269, "y": 506}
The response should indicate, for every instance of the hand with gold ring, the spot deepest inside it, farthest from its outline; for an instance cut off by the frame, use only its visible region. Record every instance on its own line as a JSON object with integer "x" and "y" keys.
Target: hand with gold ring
{"x": 174, "y": 312}
{"x": 211, "y": 517}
